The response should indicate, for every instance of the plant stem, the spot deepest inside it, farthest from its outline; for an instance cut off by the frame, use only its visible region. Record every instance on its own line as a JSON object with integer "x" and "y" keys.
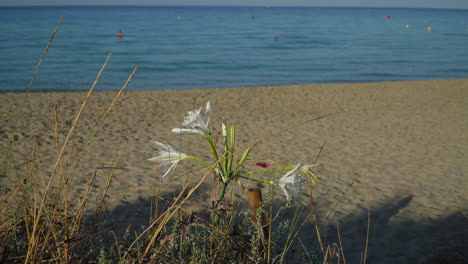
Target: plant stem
{"x": 223, "y": 191}
{"x": 221, "y": 196}
{"x": 288, "y": 167}
{"x": 199, "y": 160}
{"x": 259, "y": 181}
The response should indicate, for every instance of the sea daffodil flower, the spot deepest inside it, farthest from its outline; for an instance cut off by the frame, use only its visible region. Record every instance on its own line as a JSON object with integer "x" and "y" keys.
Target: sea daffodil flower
{"x": 293, "y": 180}
{"x": 168, "y": 158}
{"x": 197, "y": 122}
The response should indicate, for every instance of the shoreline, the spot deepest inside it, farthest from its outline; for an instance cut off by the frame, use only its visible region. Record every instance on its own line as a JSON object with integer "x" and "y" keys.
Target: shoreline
{"x": 52, "y": 90}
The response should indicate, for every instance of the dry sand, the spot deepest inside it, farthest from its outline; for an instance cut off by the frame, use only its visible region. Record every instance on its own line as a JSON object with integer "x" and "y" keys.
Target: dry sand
{"x": 406, "y": 141}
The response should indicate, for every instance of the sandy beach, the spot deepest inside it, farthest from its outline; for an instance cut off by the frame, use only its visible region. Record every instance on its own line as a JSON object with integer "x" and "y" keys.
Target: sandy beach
{"x": 403, "y": 144}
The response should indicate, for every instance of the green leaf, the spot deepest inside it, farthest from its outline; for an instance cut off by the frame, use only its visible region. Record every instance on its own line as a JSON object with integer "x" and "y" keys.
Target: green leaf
{"x": 244, "y": 157}
{"x": 226, "y": 148}
{"x": 233, "y": 138}
{"x": 232, "y": 143}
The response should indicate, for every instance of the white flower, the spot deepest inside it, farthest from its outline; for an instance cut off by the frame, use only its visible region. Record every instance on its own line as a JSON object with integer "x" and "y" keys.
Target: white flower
{"x": 306, "y": 168}
{"x": 293, "y": 179}
{"x": 198, "y": 123}
{"x": 168, "y": 158}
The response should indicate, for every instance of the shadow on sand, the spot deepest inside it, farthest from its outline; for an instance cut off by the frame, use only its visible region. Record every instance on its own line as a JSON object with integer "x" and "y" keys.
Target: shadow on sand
{"x": 391, "y": 240}
{"x": 395, "y": 240}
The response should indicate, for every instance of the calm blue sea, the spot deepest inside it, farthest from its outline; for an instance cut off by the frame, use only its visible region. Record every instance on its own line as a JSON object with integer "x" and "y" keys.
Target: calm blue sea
{"x": 201, "y": 47}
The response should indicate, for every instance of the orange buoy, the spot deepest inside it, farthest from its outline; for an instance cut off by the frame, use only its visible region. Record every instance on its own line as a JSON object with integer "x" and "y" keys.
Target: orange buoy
{"x": 120, "y": 34}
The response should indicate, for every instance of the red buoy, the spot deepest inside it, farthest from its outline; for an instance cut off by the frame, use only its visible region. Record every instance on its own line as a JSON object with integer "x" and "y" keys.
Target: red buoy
{"x": 276, "y": 38}
{"x": 388, "y": 16}
{"x": 120, "y": 34}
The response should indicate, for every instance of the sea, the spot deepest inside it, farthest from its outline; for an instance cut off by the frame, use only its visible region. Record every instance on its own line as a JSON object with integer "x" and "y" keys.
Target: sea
{"x": 186, "y": 47}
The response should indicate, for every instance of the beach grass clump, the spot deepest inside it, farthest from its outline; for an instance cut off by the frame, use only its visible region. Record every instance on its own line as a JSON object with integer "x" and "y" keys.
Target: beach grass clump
{"x": 39, "y": 221}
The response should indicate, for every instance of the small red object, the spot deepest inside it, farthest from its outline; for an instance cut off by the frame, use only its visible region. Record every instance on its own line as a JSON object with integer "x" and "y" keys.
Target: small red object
{"x": 388, "y": 16}
{"x": 120, "y": 34}
{"x": 276, "y": 38}
{"x": 262, "y": 164}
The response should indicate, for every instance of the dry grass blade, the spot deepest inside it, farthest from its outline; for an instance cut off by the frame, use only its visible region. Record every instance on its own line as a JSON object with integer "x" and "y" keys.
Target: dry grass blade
{"x": 80, "y": 212}
{"x": 19, "y": 116}
{"x": 291, "y": 238}
{"x": 341, "y": 198}
{"x": 77, "y": 117}
{"x": 109, "y": 178}
{"x": 341, "y": 244}
{"x": 98, "y": 124}
{"x": 312, "y": 206}
{"x": 173, "y": 208}
{"x": 289, "y": 128}
{"x": 164, "y": 218}
{"x": 56, "y": 122}
{"x": 43, "y": 54}
{"x": 33, "y": 239}
{"x": 367, "y": 234}
{"x": 330, "y": 253}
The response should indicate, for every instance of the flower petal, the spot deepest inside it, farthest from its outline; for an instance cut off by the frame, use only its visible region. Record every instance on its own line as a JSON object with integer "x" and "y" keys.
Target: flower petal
{"x": 154, "y": 159}
{"x": 161, "y": 145}
{"x": 285, "y": 192}
{"x": 197, "y": 122}
{"x": 168, "y": 158}
{"x": 168, "y": 172}
{"x": 207, "y": 113}
{"x": 183, "y": 131}
{"x": 292, "y": 180}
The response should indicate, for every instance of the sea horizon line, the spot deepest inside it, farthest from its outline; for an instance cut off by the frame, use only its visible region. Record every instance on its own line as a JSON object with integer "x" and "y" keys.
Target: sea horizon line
{"x": 233, "y": 6}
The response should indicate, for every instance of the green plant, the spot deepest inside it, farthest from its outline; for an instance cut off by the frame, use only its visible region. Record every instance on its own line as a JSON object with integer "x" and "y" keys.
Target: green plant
{"x": 225, "y": 167}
